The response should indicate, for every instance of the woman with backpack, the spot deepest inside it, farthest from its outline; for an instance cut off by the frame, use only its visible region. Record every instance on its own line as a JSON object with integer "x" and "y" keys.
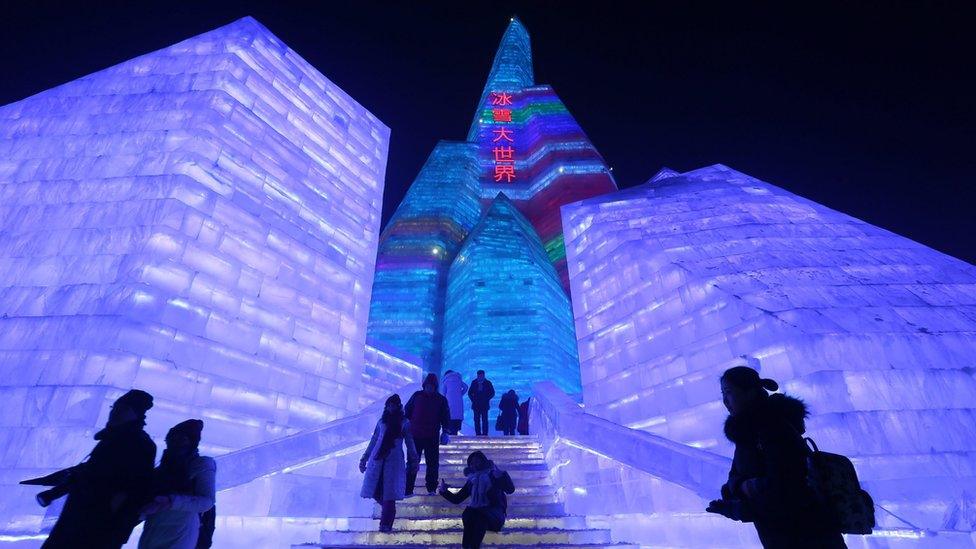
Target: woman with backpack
{"x": 384, "y": 465}
{"x": 768, "y": 481}
{"x": 486, "y": 485}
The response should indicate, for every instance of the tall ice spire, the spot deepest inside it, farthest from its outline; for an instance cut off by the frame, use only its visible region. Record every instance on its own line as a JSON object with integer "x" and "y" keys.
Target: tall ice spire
{"x": 512, "y": 68}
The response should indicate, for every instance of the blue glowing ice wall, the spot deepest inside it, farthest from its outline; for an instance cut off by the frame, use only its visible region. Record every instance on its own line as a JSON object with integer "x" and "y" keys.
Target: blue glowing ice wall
{"x": 676, "y": 280}
{"x": 416, "y": 250}
{"x": 200, "y": 222}
{"x": 506, "y": 311}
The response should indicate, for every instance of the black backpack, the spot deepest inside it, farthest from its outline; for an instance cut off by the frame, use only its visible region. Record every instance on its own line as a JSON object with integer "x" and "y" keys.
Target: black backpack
{"x": 834, "y": 482}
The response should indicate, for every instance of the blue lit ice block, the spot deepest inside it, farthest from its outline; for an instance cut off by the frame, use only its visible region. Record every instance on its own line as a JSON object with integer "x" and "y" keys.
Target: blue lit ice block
{"x": 506, "y": 312}
{"x": 678, "y": 279}
{"x": 199, "y": 222}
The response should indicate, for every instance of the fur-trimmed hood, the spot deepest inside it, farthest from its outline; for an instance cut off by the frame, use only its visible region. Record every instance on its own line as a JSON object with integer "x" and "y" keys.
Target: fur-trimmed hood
{"x": 774, "y": 412}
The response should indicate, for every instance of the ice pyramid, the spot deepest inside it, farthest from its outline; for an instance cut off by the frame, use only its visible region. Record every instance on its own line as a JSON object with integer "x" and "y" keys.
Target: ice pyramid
{"x": 199, "y": 222}
{"x": 506, "y": 311}
{"x": 689, "y": 274}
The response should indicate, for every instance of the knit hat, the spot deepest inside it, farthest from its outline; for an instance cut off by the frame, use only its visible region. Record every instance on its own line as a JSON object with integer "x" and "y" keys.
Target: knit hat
{"x": 431, "y": 379}
{"x": 139, "y": 401}
{"x": 191, "y": 428}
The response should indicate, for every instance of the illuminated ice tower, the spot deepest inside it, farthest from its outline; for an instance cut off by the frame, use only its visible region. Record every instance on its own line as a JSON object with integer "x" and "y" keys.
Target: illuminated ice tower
{"x": 508, "y": 305}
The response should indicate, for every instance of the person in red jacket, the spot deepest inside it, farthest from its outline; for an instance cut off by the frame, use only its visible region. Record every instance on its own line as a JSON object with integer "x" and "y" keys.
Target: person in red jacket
{"x": 428, "y": 413}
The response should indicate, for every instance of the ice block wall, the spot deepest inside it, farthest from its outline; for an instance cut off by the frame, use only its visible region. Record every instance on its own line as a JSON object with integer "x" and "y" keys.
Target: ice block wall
{"x": 384, "y": 372}
{"x": 506, "y": 312}
{"x": 678, "y": 279}
{"x": 199, "y": 222}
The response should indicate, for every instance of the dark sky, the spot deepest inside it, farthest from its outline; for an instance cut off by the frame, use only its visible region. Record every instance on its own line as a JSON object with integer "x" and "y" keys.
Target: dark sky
{"x": 865, "y": 107}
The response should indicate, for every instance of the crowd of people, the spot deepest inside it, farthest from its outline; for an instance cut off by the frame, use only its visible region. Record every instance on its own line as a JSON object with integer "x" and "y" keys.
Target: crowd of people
{"x": 404, "y": 434}
{"x": 118, "y": 485}
{"x": 768, "y": 484}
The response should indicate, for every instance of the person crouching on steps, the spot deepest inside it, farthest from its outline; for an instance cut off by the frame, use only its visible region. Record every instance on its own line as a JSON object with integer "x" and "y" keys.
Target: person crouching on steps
{"x": 486, "y": 485}
{"x": 383, "y": 462}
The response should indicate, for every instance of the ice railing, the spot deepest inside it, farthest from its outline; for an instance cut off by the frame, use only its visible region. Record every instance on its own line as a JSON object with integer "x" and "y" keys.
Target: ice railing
{"x": 558, "y": 419}
{"x": 336, "y": 438}
{"x": 555, "y": 416}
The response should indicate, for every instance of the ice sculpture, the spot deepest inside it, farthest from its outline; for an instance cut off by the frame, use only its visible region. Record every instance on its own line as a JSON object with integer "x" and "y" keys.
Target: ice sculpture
{"x": 523, "y": 143}
{"x": 416, "y": 249}
{"x": 199, "y": 222}
{"x": 507, "y": 313}
{"x": 689, "y": 274}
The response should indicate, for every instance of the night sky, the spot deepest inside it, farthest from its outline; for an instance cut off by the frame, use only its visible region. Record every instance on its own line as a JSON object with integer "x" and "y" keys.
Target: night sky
{"x": 866, "y": 108}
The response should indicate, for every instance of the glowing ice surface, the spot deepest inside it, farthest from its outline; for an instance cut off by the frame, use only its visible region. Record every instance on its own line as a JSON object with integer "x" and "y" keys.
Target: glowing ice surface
{"x": 506, "y": 311}
{"x": 689, "y": 274}
{"x": 199, "y": 222}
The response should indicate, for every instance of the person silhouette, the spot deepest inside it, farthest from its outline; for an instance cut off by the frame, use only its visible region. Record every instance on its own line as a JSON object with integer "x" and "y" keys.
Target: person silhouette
{"x": 509, "y": 410}
{"x": 106, "y": 491}
{"x": 385, "y": 473}
{"x": 486, "y": 485}
{"x": 184, "y": 486}
{"x": 767, "y": 481}
{"x": 428, "y": 413}
{"x": 481, "y": 391}
{"x": 454, "y": 390}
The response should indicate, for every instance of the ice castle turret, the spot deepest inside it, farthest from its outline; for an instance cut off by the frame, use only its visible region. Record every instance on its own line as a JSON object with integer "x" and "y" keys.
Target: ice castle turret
{"x": 680, "y": 278}
{"x": 199, "y": 222}
{"x": 507, "y": 313}
{"x": 416, "y": 249}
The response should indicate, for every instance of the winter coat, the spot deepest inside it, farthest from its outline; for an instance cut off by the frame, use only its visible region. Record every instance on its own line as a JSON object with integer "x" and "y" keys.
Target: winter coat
{"x": 107, "y": 490}
{"x": 770, "y": 457}
{"x": 454, "y": 389}
{"x": 179, "y": 526}
{"x": 509, "y": 412}
{"x": 428, "y": 414}
{"x": 523, "y": 420}
{"x": 481, "y": 395}
{"x": 497, "y": 508}
{"x": 393, "y": 469}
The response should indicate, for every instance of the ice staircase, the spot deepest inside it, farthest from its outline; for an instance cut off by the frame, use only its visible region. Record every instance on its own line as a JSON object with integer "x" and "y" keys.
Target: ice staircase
{"x": 535, "y": 516}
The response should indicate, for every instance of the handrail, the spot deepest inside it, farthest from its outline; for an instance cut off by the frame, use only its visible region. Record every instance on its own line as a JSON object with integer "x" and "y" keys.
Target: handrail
{"x": 554, "y": 413}
{"x": 304, "y": 447}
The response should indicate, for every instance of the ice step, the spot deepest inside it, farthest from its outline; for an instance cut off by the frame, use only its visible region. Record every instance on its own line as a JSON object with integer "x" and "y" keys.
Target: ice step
{"x": 443, "y": 508}
{"x": 525, "y": 465}
{"x": 524, "y": 489}
{"x": 497, "y": 457}
{"x": 453, "y": 521}
{"x": 508, "y": 536}
{"x": 420, "y": 498}
{"x": 462, "y": 462}
{"x": 485, "y": 546}
{"x": 528, "y": 479}
{"x": 518, "y": 474}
